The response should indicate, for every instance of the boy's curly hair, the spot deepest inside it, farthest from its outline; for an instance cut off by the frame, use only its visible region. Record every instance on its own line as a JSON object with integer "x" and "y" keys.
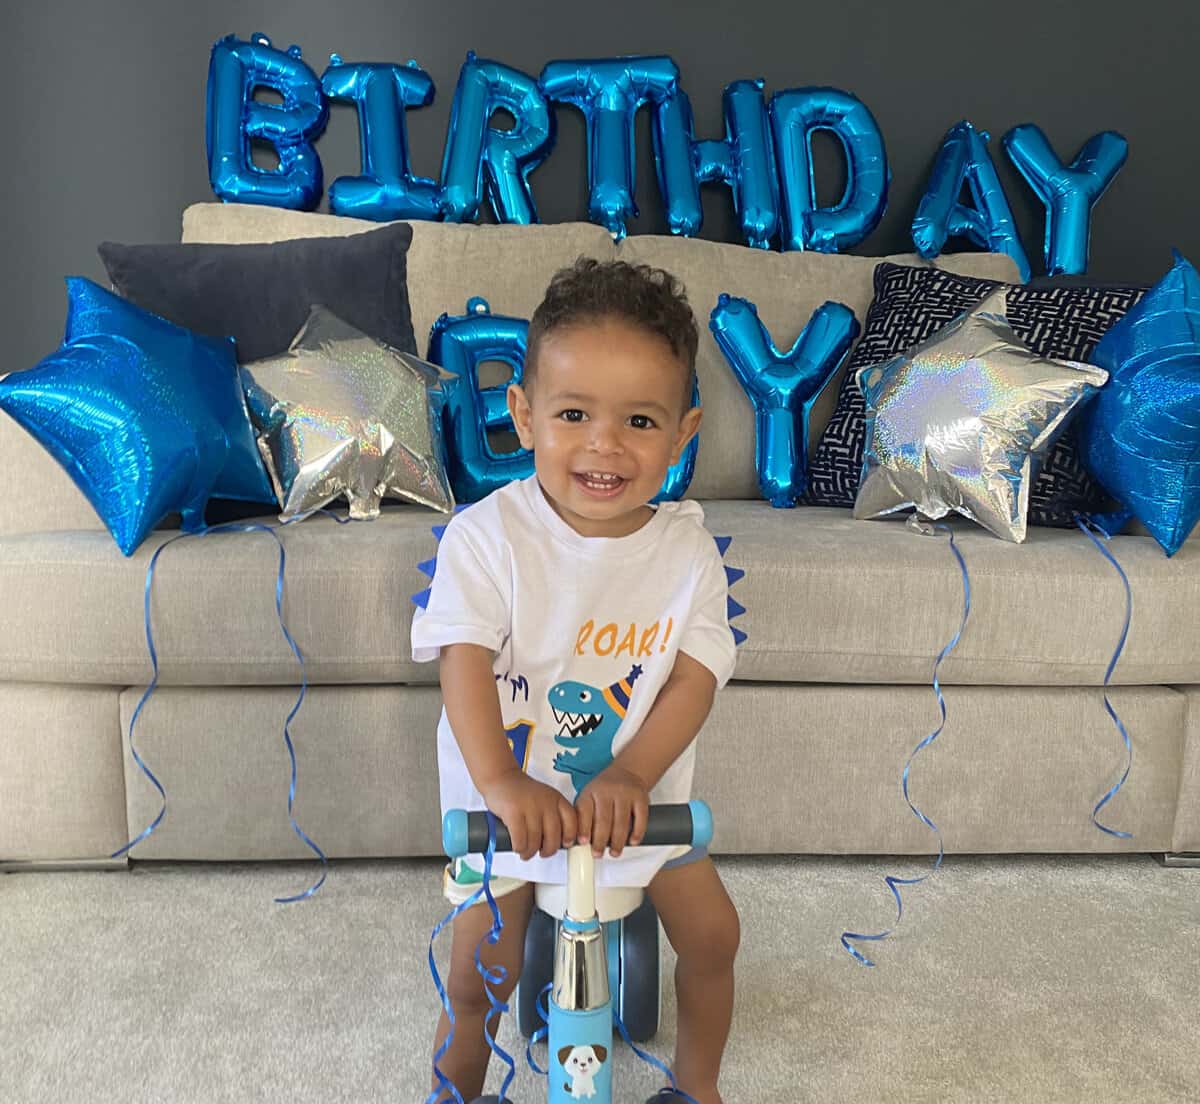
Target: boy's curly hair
{"x": 649, "y": 298}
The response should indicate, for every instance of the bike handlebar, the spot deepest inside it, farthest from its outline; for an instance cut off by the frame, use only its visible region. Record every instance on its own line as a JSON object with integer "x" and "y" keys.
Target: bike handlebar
{"x": 467, "y": 833}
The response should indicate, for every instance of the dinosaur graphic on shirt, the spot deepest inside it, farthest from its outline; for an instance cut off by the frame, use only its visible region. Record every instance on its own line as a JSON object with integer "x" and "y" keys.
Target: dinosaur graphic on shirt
{"x": 588, "y": 719}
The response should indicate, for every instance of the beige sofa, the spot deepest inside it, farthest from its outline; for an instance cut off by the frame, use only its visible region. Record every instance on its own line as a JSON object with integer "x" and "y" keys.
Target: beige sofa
{"x": 803, "y": 751}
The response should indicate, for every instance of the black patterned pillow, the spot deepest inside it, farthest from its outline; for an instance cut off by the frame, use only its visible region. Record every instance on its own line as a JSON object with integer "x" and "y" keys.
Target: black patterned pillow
{"x": 910, "y": 304}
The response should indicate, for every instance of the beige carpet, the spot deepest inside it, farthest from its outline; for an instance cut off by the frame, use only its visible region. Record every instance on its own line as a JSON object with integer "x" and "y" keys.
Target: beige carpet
{"x": 1009, "y": 979}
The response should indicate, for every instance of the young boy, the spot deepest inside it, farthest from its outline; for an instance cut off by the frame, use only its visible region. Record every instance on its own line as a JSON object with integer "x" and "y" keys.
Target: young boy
{"x": 582, "y": 635}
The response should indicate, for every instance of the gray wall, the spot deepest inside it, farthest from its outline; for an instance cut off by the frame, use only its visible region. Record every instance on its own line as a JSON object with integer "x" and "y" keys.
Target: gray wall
{"x": 105, "y": 101}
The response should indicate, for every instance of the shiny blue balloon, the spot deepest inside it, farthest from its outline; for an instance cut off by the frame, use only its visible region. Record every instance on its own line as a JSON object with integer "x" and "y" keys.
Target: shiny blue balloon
{"x": 964, "y": 158}
{"x": 387, "y": 188}
{"x": 460, "y": 344}
{"x": 609, "y": 92}
{"x": 679, "y": 475}
{"x": 795, "y": 114}
{"x": 475, "y": 150}
{"x": 782, "y": 386}
{"x": 744, "y": 160}
{"x": 140, "y": 413}
{"x": 1140, "y": 436}
{"x": 1068, "y": 192}
{"x": 92, "y": 310}
{"x": 235, "y": 118}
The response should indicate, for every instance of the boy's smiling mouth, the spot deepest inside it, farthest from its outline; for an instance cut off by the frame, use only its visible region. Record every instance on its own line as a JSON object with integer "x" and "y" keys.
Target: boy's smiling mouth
{"x": 599, "y": 484}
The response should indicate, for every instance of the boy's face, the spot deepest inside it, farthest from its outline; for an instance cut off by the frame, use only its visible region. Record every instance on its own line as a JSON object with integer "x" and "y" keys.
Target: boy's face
{"x": 606, "y": 416}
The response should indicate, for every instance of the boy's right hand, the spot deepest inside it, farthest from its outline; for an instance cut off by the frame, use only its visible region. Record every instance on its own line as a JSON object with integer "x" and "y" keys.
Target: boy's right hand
{"x": 537, "y": 816}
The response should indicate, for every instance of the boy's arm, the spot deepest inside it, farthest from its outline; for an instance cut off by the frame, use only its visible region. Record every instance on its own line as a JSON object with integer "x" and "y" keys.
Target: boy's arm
{"x": 473, "y": 709}
{"x": 674, "y": 720}
{"x": 621, "y": 792}
{"x": 537, "y": 816}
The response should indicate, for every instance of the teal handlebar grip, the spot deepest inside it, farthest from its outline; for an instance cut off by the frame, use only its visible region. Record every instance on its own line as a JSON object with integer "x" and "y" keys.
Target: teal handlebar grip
{"x": 467, "y": 833}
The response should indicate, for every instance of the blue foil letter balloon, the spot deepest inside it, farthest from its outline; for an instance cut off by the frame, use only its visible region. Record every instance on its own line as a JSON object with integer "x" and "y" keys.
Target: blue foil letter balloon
{"x": 1140, "y": 437}
{"x": 782, "y": 386}
{"x": 609, "y": 92}
{"x": 744, "y": 159}
{"x": 475, "y": 149}
{"x": 235, "y": 118}
{"x": 1068, "y": 192}
{"x": 387, "y": 188}
{"x": 964, "y": 158}
{"x": 460, "y": 344}
{"x": 795, "y": 114}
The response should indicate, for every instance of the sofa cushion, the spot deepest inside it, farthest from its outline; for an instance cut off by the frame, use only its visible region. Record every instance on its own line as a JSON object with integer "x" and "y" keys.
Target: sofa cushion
{"x": 448, "y": 263}
{"x": 910, "y": 305}
{"x": 828, "y": 599}
{"x": 1019, "y": 770}
{"x": 62, "y": 788}
{"x": 260, "y": 294}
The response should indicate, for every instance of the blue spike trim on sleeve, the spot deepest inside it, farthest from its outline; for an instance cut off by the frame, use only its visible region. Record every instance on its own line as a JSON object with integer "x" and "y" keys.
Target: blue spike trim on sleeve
{"x": 732, "y": 575}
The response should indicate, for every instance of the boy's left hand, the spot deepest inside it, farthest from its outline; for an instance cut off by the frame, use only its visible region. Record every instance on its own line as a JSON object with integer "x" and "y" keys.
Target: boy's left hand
{"x": 607, "y": 805}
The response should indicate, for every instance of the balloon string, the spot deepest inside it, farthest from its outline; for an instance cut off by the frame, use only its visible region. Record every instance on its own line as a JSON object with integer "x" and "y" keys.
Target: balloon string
{"x": 246, "y": 527}
{"x": 497, "y": 975}
{"x": 891, "y": 881}
{"x": 541, "y": 1003}
{"x": 675, "y": 1091}
{"x": 489, "y": 977}
{"x": 1087, "y": 526}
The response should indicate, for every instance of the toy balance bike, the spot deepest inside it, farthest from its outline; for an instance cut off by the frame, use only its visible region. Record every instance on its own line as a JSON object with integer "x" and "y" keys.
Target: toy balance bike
{"x": 594, "y": 956}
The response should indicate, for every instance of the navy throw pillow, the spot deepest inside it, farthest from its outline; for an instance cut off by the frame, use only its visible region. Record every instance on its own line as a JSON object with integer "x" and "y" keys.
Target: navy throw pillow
{"x": 260, "y": 294}
{"x": 910, "y": 304}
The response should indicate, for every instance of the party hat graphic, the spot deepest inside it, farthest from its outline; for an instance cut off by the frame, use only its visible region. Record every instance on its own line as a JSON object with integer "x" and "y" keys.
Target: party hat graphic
{"x": 617, "y": 695}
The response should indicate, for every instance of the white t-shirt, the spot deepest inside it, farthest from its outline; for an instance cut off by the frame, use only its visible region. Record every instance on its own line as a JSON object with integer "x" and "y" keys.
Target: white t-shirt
{"x": 586, "y": 631}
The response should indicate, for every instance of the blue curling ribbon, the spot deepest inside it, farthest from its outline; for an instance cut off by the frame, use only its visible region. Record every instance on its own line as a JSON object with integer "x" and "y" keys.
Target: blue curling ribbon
{"x": 1087, "y": 527}
{"x": 489, "y": 977}
{"x": 893, "y": 882}
{"x": 543, "y": 1008}
{"x": 142, "y": 701}
{"x": 674, "y": 1091}
{"x": 244, "y": 528}
{"x": 497, "y": 975}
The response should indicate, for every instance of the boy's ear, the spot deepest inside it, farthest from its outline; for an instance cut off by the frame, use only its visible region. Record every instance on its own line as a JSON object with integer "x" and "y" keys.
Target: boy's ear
{"x": 689, "y": 426}
{"x": 521, "y": 413}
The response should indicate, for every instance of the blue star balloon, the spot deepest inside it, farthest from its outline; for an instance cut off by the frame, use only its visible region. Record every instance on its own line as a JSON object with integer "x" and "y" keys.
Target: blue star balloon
{"x": 1140, "y": 438}
{"x": 147, "y": 418}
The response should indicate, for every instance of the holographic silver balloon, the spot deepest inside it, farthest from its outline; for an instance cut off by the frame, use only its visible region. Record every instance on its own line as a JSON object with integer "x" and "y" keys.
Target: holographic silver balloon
{"x": 959, "y": 422}
{"x": 343, "y": 414}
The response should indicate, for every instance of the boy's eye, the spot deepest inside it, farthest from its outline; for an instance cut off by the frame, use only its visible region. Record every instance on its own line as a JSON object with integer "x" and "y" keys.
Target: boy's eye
{"x": 641, "y": 421}
{"x": 572, "y": 415}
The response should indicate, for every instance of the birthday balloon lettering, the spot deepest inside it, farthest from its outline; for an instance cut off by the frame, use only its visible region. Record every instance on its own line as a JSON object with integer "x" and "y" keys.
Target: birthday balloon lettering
{"x": 765, "y": 157}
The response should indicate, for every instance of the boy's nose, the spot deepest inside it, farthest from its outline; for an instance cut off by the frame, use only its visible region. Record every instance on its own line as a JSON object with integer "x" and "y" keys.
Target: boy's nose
{"x": 605, "y": 439}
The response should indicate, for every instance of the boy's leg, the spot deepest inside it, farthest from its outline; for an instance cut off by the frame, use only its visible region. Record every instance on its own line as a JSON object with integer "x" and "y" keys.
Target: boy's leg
{"x": 702, "y": 925}
{"x": 466, "y": 1061}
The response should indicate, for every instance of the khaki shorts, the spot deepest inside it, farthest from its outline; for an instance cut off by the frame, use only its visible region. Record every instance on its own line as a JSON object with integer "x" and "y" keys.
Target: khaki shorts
{"x": 460, "y": 881}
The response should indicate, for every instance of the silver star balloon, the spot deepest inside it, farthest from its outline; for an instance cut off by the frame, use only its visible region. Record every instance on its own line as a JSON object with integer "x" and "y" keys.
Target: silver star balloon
{"x": 341, "y": 414}
{"x": 960, "y": 422}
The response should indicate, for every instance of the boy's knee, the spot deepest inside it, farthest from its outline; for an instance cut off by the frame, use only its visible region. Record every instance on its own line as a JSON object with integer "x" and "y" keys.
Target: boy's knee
{"x": 712, "y": 939}
{"x": 467, "y": 994}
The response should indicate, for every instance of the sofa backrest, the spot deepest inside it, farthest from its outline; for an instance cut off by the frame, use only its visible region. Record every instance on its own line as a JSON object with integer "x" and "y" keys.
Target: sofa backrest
{"x": 510, "y": 266}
